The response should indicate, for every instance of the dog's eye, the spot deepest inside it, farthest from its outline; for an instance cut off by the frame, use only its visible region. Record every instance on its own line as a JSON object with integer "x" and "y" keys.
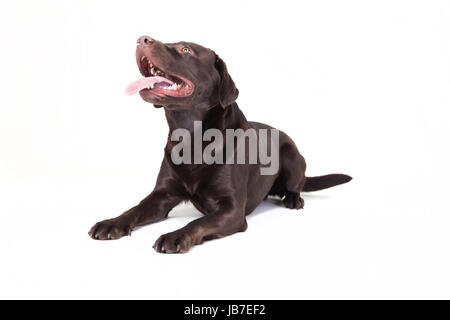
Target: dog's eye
{"x": 186, "y": 50}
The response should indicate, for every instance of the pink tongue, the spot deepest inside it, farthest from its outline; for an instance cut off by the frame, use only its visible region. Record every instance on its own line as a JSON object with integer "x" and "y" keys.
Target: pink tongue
{"x": 145, "y": 83}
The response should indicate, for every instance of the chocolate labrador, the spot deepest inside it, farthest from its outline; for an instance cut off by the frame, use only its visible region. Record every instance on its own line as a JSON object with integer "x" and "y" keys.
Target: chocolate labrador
{"x": 192, "y": 84}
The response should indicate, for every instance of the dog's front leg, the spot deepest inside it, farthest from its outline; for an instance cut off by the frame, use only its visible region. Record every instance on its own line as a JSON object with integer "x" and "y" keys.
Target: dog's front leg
{"x": 153, "y": 208}
{"x": 228, "y": 219}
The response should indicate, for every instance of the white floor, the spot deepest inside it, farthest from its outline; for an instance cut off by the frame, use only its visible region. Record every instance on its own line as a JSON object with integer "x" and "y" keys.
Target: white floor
{"x": 348, "y": 242}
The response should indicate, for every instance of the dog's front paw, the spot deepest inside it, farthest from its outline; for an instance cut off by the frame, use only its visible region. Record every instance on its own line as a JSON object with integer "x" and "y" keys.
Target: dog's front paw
{"x": 110, "y": 229}
{"x": 174, "y": 242}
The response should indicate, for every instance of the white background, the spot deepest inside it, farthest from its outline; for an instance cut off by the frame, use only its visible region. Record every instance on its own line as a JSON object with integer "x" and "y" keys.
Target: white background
{"x": 362, "y": 87}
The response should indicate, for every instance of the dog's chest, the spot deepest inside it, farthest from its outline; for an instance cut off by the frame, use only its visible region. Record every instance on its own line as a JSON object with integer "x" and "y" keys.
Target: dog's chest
{"x": 201, "y": 183}
{"x": 192, "y": 178}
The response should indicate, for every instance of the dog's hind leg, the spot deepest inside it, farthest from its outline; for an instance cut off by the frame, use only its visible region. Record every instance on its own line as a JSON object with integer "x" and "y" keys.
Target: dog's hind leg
{"x": 292, "y": 176}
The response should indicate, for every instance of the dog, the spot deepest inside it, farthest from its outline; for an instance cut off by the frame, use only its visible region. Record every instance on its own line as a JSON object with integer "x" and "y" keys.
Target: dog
{"x": 191, "y": 83}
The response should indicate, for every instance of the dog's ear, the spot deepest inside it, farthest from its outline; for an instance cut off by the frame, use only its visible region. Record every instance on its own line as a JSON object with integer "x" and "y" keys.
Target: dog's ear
{"x": 228, "y": 92}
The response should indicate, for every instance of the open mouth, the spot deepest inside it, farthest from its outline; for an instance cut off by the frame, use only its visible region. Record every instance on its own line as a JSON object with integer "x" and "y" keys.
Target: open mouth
{"x": 158, "y": 82}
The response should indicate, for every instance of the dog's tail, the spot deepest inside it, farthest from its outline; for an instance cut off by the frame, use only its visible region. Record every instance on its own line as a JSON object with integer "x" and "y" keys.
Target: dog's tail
{"x": 323, "y": 182}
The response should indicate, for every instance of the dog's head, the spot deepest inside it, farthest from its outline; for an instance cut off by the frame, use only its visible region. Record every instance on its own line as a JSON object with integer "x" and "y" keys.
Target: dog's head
{"x": 181, "y": 75}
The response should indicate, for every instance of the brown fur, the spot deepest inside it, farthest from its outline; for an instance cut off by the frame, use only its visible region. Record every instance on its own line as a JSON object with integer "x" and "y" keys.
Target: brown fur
{"x": 226, "y": 193}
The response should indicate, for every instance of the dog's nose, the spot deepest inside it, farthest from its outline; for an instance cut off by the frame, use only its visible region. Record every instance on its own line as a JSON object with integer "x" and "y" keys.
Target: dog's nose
{"x": 145, "y": 40}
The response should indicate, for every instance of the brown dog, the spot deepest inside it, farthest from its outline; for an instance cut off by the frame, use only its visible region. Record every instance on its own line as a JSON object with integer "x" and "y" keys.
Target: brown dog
{"x": 192, "y": 84}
